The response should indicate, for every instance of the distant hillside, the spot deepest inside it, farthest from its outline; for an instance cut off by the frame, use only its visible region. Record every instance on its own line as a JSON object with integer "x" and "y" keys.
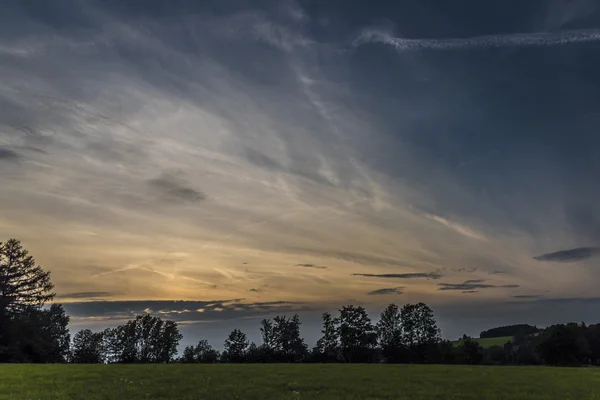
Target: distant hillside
{"x": 509, "y": 330}
{"x": 489, "y": 342}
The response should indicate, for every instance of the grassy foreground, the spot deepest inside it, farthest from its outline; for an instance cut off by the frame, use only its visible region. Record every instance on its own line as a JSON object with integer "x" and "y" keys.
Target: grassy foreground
{"x": 296, "y": 382}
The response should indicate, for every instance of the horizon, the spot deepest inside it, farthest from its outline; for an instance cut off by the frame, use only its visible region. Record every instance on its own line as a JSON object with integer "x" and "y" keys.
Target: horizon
{"x": 224, "y": 162}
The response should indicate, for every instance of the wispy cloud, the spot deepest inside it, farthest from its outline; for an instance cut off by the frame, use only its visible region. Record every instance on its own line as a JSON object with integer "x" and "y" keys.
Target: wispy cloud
{"x": 410, "y": 275}
{"x": 85, "y": 295}
{"x": 571, "y": 255}
{"x": 472, "y": 285}
{"x": 466, "y": 231}
{"x": 8, "y": 154}
{"x": 479, "y": 42}
{"x": 386, "y": 291}
{"x": 311, "y": 266}
{"x": 528, "y": 296}
{"x": 174, "y": 188}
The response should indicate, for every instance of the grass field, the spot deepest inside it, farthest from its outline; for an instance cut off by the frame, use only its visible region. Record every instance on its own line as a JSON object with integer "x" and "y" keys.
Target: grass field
{"x": 488, "y": 342}
{"x": 414, "y": 382}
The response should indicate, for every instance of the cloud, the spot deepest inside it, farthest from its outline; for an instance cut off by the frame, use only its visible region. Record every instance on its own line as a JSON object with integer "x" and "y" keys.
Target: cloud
{"x": 470, "y": 291}
{"x": 8, "y": 154}
{"x": 85, "y": 295}
{"x": 571, "y": 255}
{"x": 464, "y": 230}
{"x": 472, "y": 285}
{"x": 410, "y": 275}
{"x": 479, "y": 42}
{"x": 174, "y": 188}
{"x": 385, "y": 291}
{"x": 560, "y": 300}
{"x": 311, "y": 266}
{"x": 180, "y": 310}
{"x": 528, "y": 296}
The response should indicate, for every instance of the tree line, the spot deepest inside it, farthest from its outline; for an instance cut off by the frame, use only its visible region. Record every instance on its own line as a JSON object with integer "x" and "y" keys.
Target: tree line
{"x": 33, "y": 332}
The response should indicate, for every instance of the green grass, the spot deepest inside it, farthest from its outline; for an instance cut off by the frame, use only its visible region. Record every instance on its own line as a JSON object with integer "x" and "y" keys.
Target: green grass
{"x": 325, "y": 381}
{"x": 488, "y": 342}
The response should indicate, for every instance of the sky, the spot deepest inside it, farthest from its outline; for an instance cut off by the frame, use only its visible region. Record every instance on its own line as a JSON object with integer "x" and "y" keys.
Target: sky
{"x": 220, "y": 162}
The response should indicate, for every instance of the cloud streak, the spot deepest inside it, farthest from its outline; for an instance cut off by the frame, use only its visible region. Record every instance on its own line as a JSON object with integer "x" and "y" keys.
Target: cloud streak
{"x": 571, "y": 255}
{"x": 479, "y": 42}
{"x": 387, "y": 291}
{"x": 410, "y": 275}
{"x": 470, "y": 285}
{"x": 311, "y": 266}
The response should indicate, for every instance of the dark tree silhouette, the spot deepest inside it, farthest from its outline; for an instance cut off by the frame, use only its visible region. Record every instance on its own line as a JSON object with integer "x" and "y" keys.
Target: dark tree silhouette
{"x": 328, "y": 345}
{"x": 202, "y": 353}
{"x": 389, "y": 334}
{"x": 22, "y": 284}
{"x": 236, "y": 346}
{"x": 420, "y": 334}
{"x": 357, "y": 334}
{"x": 88, "y": 347}
{"x": 145, "y": 339}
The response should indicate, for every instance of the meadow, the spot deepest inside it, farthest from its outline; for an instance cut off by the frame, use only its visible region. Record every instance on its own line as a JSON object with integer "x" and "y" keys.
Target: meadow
{"x": 299, "y": 381}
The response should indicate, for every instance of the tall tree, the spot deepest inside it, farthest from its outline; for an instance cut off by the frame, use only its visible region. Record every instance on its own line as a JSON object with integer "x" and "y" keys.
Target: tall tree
{"x": 22, "y": 284}
{"x": 328, "y": 344}
{"x": 287, "y": 343}
{"x": 145, "y": 339}
{"x": 88, "y": 347}
{"x": 389, "y": 334}
{"x": 236, "y": 346}
{"x": 36, "y": 336}
{"x": 420, "y": 333}
{"x": 357, "y": 334}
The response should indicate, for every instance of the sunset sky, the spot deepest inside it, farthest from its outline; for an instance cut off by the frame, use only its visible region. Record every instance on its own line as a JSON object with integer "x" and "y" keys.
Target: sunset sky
{"x": 216, "y": 162}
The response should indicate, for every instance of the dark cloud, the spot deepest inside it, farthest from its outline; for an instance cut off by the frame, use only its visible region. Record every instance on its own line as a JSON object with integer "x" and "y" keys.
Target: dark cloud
{"x": 85, "y": 295}
{"x": 472, "y": 284}
{"x": 253, "y": 290}
{"x": 174, "y": 188}
{"x": 469, "y": 270}
{"x": 470, "y": 291}
{"x": 471, "y": 281}
{"x": 571, "y": 255}
{"x": 384, "y": 291}
{"x": 181, "y": 310}
{"x": 498, "y": 272}
{"x": 311, "y": 266}
{"x": 527, "y": 296}
{"x": 410, "y": 275}
{"x": 560, "y": 300}
{"x": 8, "y": 154}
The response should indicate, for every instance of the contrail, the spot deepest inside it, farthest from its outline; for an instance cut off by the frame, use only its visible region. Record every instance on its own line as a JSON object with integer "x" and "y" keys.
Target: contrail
{"x": 480, "y": 42}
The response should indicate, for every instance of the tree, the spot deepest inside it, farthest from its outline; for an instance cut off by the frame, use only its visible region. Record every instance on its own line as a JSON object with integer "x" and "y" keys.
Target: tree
{"x": 563, "y": 345}
{"x": 23, "y": 285}
{"x": 469, "y": 351}
{"x": 357, "y": 335}
{"x": 36, "y": 336}
{"x": 328, "y": 344}
{"x": 202, "y": 353}
{"x": 145, "y": 339}
{"x": 287, "y": 344}
{"x": 420, "y": 333}
{"x": 88, "y": 347}
{"x": 389, "y": 334}
{"x": 236, "y": 346}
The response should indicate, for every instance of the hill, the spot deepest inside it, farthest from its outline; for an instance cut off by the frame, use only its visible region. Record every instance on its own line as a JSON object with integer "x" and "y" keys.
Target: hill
{"x": 510, "y": 330}
{"x": 488, "y": 342}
